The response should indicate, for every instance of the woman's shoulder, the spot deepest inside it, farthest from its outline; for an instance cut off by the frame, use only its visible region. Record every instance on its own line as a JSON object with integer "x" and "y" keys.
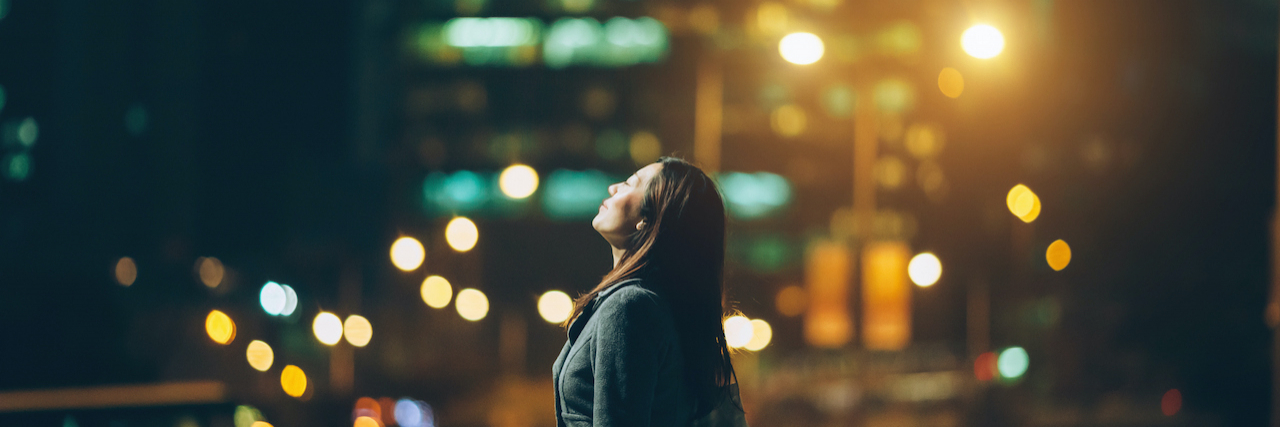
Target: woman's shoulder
{"x": 632, "y": 298}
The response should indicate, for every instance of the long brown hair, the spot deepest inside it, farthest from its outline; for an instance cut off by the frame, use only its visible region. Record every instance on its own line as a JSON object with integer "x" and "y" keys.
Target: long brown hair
{"x": 680, "y": 254}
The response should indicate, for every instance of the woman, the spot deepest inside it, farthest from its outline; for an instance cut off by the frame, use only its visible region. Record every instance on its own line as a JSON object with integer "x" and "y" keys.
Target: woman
{"x": 646, "y": 346}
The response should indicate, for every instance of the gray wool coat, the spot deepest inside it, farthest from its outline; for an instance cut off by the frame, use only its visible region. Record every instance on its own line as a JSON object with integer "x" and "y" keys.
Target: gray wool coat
{"x": 622, "y": 365}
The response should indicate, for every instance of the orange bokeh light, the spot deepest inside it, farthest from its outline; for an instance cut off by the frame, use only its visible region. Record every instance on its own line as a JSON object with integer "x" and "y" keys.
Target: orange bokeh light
{"x": 984, "y": 367}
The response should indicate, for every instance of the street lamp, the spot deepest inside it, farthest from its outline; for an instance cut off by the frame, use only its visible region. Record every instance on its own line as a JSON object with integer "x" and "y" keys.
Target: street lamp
{"x": 982, "y": 41}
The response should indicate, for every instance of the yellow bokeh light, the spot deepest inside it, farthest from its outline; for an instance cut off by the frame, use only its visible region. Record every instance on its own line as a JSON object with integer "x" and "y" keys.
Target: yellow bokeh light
{"x": 220, "y": 327}
{"x": 260, "y": 355}
{"x": 555, "y": 306}
{"x": 771, "y": 17}
{"x": 126, "y": 271}
{"x": 801, "y": 48}
{"x": 518, "y": 181}
{"x": 788, "y": 120}
{"x": 645, "y": 147}
{"x": 407, "y": 253}
{"x": 461, "y": 234}
{"x": 366, "y": 422}
{"x": 472, "y": 304}
{"x": 737, "y": 331}
{"x": 357, "y": 330}
{"x": 924, "y": 269}
{"x": 889, "y": 172}
{"x": 261, "y": 424}
{"x": 761, "y": 334}
{"x": 924, "y": 140}
{"x": 951, "y": 82}
{"x": 293, "y": 380}
{"x": 982, "y": 41}
{"x": 1023, "y": 203}
{"x": 327, "y": 327}
{"x": 436, "y": 291}
{"x": 792, "y": 301}
{"x": 1058, "y": 255}
{"x": 210, "y": 271}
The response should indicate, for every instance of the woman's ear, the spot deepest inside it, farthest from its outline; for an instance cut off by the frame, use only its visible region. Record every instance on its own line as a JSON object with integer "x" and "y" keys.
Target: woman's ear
{"x": 640, "y": 225}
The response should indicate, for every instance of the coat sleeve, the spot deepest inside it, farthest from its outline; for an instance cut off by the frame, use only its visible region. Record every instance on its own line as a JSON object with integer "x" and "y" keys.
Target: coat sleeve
{"x": 629, "y": 348}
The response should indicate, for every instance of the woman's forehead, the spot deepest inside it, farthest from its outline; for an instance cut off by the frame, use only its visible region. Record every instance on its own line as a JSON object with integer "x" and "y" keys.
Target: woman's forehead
{"x": 646, "y": 173}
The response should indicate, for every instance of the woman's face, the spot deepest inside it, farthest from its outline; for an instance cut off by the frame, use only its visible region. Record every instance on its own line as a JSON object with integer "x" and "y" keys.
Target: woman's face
{"x": 619, "y": 214}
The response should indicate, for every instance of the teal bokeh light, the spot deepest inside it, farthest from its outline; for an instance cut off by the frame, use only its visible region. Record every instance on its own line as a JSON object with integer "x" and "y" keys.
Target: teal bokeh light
{"x": 754, "y": 195}
{"x": 574, "y": 195}
{"x": 1013, "y": 362}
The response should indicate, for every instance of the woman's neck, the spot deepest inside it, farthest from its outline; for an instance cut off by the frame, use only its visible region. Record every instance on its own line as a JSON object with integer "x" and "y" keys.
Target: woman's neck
{"x": 617, "y": 255}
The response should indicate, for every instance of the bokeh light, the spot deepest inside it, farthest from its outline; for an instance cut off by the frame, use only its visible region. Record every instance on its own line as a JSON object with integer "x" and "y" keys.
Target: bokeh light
{"x": 246, "y": 416}
{"x": 737, "y": 331}
{"x": 412, "y": 413}
{"x": 472, "y": 304}
{"x": 366, "y": 422}
{"x": 260, "y": 355}
{"x": 984, "y": 367}
{"x": 1171, "y": 402}
{"x": 407, "y": 253}
{"x": 293, "y": 381}
{"x": 327, "y": 327}
{"x": 792, "y": 301}
{"x": 788, "y": 120}
{"x": 1013, "y": 362}
{"x": 555, "y": 306}
{"x": 436, "y": 291}
{"x": 982, "y": 41}
{"x": 261, "y": 424}
{"x": 801, "y": 48}
{"x": 367, "y": 407}
{"x": 645, "y": 147}
{"x": 925, "y": 269}
{"x": 220, "y": 327}
{"x": 754, "y": 195}
{"x": 761, "y": 334}
{"x": 290, "y": 300}
{"x": 951, "y": 82}
{"x": 1023, "y": 203}
{"x": 461, "y": 234}
{"x": 924, "y": 141}
{"x": 126, "y": 271}
{"x": 1058, "y": 255}
{"x": 273, "y": 298}
{"x": 893, "y": 95}
{"x": 357, "y": 330}
{"x": 889, "y": 172}
{"x": 518, "y": 181}
{"x": 210, "y": 271}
